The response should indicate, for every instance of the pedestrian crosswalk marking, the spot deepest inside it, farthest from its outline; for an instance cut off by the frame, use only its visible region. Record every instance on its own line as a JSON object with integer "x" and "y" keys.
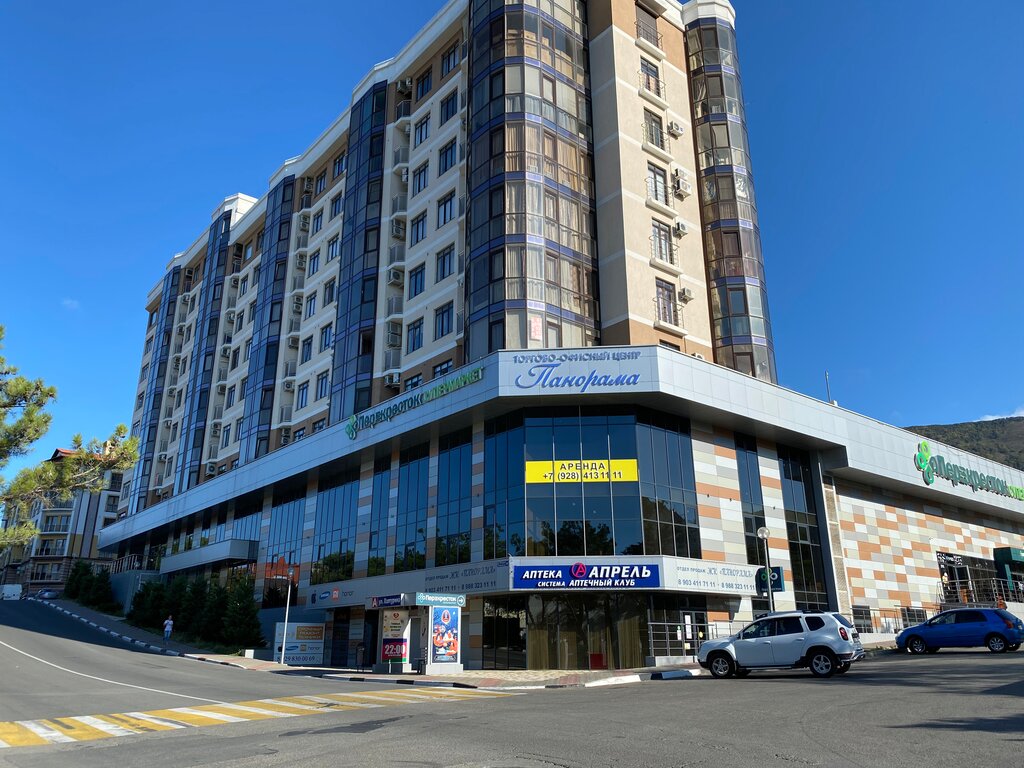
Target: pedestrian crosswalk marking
{"x": 69, "y": 729}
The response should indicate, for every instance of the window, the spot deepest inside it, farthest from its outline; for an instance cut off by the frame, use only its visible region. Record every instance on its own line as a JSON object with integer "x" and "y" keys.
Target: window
{"x": 665, "y": 293}
{"x": 326, "y": 335}
{"x": 149, "y": 345}
{"x": 446, "y": 209}
{"x": 298, "y": 434}
{"x": 420, "y": 177}
{"x": 649, "y": 78}
{"x": 248, "y": 349}
{"x": 243, "y": 286}
{"x": 252, "y": 312}
{"x": 311, "y": 306}
{"x": 335, "y": 205}
{"x": 814, "y": 623}
{"x": 444, "y": 262}
{"x": 446, "y": 157}
{"x": 413, "y": 381}
{"x": 329, "y": 291}
{"x": 302, "y": 397}
{"x": 419, "y": 228}
{"x": 321, "y": 182}
{"x": 230, "y": 399}
{"x": 318, "y": 221}
{"x": 339, "y": 164}
{"x": 653, "y": 130}
{"x": 332, "y": 249}
{"x": 414, "y": 335}
{"x": 416, "y": 280}
{"x": 307, "y": 349}
{"x": 422, "y": 131}
{"x": 442, "y": 368}
{"x": 657, "y": 186}
{"x": 450, "y": 59}
{"x": 449, "y": 107}
{"x": 319, "y": 425}
{"x": 314, "y": 264}
{"x": 225, "y": 439}
{"x": 239, "y": 320}
{"x": 423, "y": 85}
{"x": 788, "y": 625}
{"x": 662, "y": 247}
{"x": 322, "y": 385}
{"x": 443, "y": 320}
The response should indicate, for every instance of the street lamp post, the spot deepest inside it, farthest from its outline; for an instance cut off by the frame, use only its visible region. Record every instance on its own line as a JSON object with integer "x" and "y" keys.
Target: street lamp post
{"x": 287, "y": 605}
{"x": 763, "y": 533}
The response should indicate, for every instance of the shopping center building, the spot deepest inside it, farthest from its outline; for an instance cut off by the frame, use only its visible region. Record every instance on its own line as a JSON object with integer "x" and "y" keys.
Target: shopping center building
{"x": 502, "y": 331}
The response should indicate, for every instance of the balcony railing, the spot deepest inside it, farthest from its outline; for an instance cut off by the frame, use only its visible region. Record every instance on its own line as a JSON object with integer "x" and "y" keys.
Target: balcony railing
{"x": 396, "y": 254}
{"x": 286, "y": 414}
{"x": 646, "y": 32}
{"x": 653, "y": 84}
{"x": 656, "y": 136}
{"x": 403, "y": 109}
{"x": 289, "y": 369}
{"x": 399, "y": 204}
{"x": 394, "y": 305}
{"x": 664, "y": 250}
{"x": 667, "y": 311}
{"x": 392, "y": 359}
{"x": 401, "y": 156}
{"x": 657, "y": 189}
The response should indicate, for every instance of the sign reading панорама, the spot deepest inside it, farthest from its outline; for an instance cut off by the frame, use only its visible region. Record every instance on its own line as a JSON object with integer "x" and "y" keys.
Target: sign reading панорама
{"x": 937, "y": 466}
{"x": 546, "y": 372}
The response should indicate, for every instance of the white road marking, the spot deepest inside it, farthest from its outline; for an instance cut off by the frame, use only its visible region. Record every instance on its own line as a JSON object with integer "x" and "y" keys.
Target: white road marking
{"x": 259, "y": 711}
{"x": 105, "y": 680}
{"x": 102, "y": 725}
{"x": 156, "y": 720}
{"x": 207, "y": 714}
{"x": 52, "y": 736}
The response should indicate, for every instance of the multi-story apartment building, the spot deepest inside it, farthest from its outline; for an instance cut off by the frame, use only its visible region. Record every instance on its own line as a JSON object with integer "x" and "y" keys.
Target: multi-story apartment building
{"x": 508, "y": 314}
{"x": 67, "y": 532}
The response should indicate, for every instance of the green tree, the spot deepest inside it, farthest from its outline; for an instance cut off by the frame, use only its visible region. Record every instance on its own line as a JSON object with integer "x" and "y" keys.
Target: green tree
{"x": 192, "y": 607}
{"x": 241, "y": 619}
{"x": 175, "y": 599}
{"x": 210, "y": 625}
{"x": 148, "y": 605}
{"x": 73, "y": 586}
{"x": 101, "y": 594}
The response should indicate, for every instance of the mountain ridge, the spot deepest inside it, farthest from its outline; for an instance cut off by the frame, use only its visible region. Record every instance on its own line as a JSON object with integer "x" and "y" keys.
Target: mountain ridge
{"x": 1000, "y": 440}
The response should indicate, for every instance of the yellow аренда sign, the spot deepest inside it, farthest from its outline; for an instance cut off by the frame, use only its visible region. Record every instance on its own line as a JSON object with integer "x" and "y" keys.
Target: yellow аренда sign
{"x": 586, "y": 471}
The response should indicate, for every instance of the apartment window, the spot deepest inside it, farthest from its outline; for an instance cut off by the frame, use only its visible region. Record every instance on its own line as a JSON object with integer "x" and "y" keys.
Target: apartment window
{"x": 298, "y": 434}
{"x": 248, "y": 250}
{"x": 259, "y": 242}
{"x": 420, "y": 177}
{"x": 650, "y": 79}
{"x": 319, "y": 425}
{"x": 665, "y": 293}
{"x": 657, "y": 186}
{"x": 647, "y": 26}
{"x": 144, "y": 372}
{"x": 252, "y": 312}
{"x": 446, "y": 157}
{"x": 335, "y": 205}
{"x": 314, "y": 264}
{"x": 414, "y": 335}
{"x": 449, "y": 107}
{"x": 443, "y": 320}
{"x": 230, "y": 399}
{"x": 225, "y": 439}
{"x": 234, "y": 358}
{"x": 654, "y": 131}
{"x": 138, "y": 401}
{"x": 243, "y": 286}
{"x": 423, "y": 85}
{"x": 311, "y": 306}
{"x": 248, "y": 349}
{"x": 422, "y": 131}
{"x": 662, "y": 247}
{"x": 318, "y": 221}
{"x": 329, "y": 290}
{"x": 149, "y": 345}
{"x": 323, "y": 385}
{"x": 239, "y": 320}
{"x": 442, "y": 368}
{"x": 339, "y": 164}
{"x": 416, "y": 280}
{"x": 302, "y": 397}
{"x": 332, "y": 249}
{"x": 413, "y": 381}
{"x": 444, "y": 263}
{"x": 419, "y": 228}
{"x": 450, "y": 59}
{"x": 321, "y": 182}
{"x": 326, "y": 336}
{"x": 446, "y": 209}
{"x": 307, "y": 349}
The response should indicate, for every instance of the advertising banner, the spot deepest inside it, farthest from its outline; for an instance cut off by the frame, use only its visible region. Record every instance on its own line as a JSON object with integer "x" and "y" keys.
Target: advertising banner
{"x": 303, "y": 645}
{"x": 395, "y": 649}
{"x": 579, "y": 575}
{"x": 444, "y": 646}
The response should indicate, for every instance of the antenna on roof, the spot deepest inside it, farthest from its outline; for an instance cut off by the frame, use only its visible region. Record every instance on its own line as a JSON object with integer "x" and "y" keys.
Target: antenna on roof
{"x": 828, "y": 390}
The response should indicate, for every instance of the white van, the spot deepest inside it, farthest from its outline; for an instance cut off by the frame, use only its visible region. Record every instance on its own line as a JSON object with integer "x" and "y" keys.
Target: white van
{"x": 12, "y": 591}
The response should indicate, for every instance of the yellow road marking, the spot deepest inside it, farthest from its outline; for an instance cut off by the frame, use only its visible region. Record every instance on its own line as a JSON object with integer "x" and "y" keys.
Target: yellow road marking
{"x": 186, "y": 718}
{"x": 16, "y": 735}
{"x": 270, "y": 705}
{"x": 76, "y": 730}
{"x": 249, "y": 713}
{"x": 136, "y": 723}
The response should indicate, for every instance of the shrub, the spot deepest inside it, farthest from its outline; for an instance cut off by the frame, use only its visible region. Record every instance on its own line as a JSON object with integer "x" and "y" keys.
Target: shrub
{"x": 241, "y": 620}
{"x": 73, "y": 586}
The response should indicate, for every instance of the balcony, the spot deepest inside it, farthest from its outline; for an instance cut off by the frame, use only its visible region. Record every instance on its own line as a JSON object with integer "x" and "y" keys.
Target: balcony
{"x": 394, "y": 306}
{"x": 399, "y": 205}
{"x": 289, "y": 369}
{"x": 401, "y": 158}
{"x": 653, "y": 89}
{"x": 664, "y": 255}
{"x": 657, "y": 197}
{"x": 55, "y": 530}
{"x": 396, "y": 255}
{"x": 668, "y": 316}
{"x": 239, "y": 550}
{"x": 392, "y": 359}
{"x": 657, "y": 142}
{"x": 286, "y": 414}
{"x": 298, "y": 283}
{"x": 649, "y": 40}
{"x": 403, "y": 111}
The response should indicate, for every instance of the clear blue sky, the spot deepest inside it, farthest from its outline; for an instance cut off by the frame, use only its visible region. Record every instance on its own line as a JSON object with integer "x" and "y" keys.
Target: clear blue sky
{"x": 885, "y": 137}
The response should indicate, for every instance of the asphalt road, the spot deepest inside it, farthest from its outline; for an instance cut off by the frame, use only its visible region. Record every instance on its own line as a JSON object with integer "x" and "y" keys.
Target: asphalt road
{"x": 951, "y": 709}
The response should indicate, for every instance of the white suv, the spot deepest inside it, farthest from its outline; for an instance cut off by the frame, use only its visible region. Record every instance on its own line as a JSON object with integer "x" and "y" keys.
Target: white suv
{"x": 827, "y": 643}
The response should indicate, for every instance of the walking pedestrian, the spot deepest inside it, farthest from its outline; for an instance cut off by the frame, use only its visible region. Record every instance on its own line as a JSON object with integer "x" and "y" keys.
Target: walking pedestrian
{"x": 168, "y": 626}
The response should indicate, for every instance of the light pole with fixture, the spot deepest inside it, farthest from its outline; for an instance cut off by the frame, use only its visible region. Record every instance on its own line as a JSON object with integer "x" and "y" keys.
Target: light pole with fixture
{"x": 287, "y": 605}
{"x": 763, "y": 533}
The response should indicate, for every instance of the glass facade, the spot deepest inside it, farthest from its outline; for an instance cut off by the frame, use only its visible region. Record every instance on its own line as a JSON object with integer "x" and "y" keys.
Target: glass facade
{"x": 741, "y": 325}
{"x": 334, "y": 536}
{"x": 802, "y": 530}
{"x": 531, "y": 279}
{"x": 284, "y": 542}
{"x": 752, "y": 504}
{"x": 454, "y": 498}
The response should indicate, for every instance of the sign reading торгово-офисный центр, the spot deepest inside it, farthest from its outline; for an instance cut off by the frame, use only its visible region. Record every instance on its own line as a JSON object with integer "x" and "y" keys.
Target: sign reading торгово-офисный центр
{"x": 937, "y": 466}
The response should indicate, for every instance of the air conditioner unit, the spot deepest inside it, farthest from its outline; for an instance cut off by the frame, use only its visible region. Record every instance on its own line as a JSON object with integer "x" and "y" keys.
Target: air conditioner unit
{"x": 304, "y": 222}
{"x": 211, "y": 467}
{"x": 215, "y": 429}
{"x": 222, "y": 389}
{"x": 293, "y": 342}
{"x": 167, "y": 422}
{"x": 286, "y": 434}
{"x": 398, "y": 230}
{"x": 176, "y": 361}
{"x": 405, "y": 175}
{"x": 225, "y": 351}
{"x": 408, "y": 130}
{"x": 171, "y": 391}
{"x": 675, "y": 129}
{"x": 289, "y": 385}
{"x": 698, "y": 355}
{"x": 392, "y": 380}
{"x": 685, "y": 295}
{"x": 682, "y": 187}
{"x": 229, "y": 316}
{"x": 395, "y": 276}
{"x": 297, "y": 305}
{"x": 234, "y": 281}
{"x": 404, "y": 86}
{"x": 394, "y": 327}
{"x": 679, "y": 229}
{"x": 162, "y": 456}
{"x": 300, "y": 261}
{"x": 307, "y": 184}
{"x": 190, "y": 273}
{"x": 181, "y": 329}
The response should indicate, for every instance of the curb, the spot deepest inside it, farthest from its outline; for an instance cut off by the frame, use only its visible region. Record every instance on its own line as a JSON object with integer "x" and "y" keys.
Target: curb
{"x": 398, "y": 681}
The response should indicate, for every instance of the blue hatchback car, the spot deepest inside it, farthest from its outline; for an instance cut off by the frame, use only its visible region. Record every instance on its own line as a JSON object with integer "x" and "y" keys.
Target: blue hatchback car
{"x": 994, "y": 628}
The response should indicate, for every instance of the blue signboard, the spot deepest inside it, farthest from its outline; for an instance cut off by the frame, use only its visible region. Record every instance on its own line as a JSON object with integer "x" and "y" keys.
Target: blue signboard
{"x": 777, "y": 580}
{"x": 386, "y": 601}
{"x": 580, "y": 575}
{"x": 444, "y": 635}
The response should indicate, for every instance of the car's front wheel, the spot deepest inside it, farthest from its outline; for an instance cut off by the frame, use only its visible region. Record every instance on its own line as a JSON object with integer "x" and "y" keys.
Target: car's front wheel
{"x": 722, "y": 665}
{"x": 996, "y": 643}
{"x": 916, "y": 644}
{"x": 823, "y": 662}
